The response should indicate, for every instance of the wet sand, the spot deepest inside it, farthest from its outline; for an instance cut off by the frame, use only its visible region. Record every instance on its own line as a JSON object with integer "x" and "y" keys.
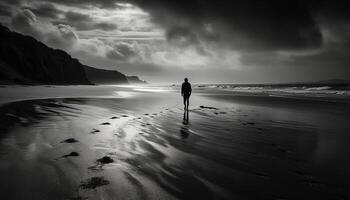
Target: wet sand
{"x": 142, "y": 145}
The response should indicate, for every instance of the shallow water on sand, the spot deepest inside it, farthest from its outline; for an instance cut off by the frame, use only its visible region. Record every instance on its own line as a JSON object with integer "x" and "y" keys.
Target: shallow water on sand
{"x": 225, "y": 147}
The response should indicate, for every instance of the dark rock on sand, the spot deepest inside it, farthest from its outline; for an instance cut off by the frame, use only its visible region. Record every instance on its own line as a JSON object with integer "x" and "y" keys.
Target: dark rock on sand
{"x": 251, "y": 123}
{"x": 105, "y": 123}
{"x": 114, "y": 117}
{"x": 125, "y": 116}
{"x": 70, "y": 140}
{"x": 105, "y": 160}
{"x": 93, "y": 183}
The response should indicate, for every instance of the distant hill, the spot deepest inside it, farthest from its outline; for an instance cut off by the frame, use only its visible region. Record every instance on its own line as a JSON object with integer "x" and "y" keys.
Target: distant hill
{"x": 135, "y": 80}
{"x": 24, "y": 60}
{"x": 101, "y": 76}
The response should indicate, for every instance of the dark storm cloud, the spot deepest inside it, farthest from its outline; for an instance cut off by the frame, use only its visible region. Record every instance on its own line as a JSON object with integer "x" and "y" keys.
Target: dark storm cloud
{"x": 11, "y": 2}
{"x": 242, "y": 25}
{"x": 5, "y": 10}
{"x": 84, "y": 22}
{"x": 267, "y": 25}
{"x": 181, "y": 36}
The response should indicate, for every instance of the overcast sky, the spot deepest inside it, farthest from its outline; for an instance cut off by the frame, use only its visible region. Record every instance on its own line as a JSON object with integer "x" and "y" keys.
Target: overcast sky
{"x": 218, "y": 41}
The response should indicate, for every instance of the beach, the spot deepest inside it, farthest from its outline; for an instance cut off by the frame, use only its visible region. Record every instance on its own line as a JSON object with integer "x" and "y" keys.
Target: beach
{"x": 136, "y": 142}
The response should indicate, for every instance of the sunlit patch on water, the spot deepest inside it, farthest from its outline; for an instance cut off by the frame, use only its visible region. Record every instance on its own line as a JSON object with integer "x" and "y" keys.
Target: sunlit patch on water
{"x": 125, "y": 94}
{"x": 152, "y": 89}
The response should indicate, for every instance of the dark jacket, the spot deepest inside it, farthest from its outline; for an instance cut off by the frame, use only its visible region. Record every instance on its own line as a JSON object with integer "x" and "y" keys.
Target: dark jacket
{"x": 186, "y": 89}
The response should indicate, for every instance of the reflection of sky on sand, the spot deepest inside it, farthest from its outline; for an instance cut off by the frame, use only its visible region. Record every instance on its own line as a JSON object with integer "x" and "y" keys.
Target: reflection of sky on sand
{"x": 152, "y": 89}
{"x": 125, "y": 94}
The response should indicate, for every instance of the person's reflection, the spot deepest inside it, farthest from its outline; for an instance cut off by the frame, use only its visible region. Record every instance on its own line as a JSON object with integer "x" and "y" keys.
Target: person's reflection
{"x": 184, "y": 129}
{"x": 185, "y": 120}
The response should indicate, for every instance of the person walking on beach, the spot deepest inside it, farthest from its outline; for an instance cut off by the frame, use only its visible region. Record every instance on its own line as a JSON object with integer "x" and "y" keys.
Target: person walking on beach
{"x": 186, "y": 91}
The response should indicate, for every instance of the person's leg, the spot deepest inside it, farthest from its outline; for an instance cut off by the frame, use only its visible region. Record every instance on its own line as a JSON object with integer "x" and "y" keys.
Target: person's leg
{"x": 185, "y": 101}
{"x": 188, "y": 102}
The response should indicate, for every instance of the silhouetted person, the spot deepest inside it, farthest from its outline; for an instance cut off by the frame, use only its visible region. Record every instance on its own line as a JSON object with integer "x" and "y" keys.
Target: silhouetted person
{"x": 186, "y": 91}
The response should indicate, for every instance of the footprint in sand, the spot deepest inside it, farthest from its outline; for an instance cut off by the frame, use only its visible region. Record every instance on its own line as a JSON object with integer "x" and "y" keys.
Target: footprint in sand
{"x": 105, "y": 160}
{"x": 95, "y": 131}
{"x": 208, "y": 107}
{"x": 93, "y": 183}
{"x": 105, "y": 123}
{"x": 100, "y": 162}
{"x": 71, "y": 154}
{"x": 70, "y": 140}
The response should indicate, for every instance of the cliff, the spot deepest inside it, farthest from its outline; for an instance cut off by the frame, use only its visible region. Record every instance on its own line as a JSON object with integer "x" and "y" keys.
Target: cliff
{"x": 24, "y": 60}
{"x": 101, "y": 76}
